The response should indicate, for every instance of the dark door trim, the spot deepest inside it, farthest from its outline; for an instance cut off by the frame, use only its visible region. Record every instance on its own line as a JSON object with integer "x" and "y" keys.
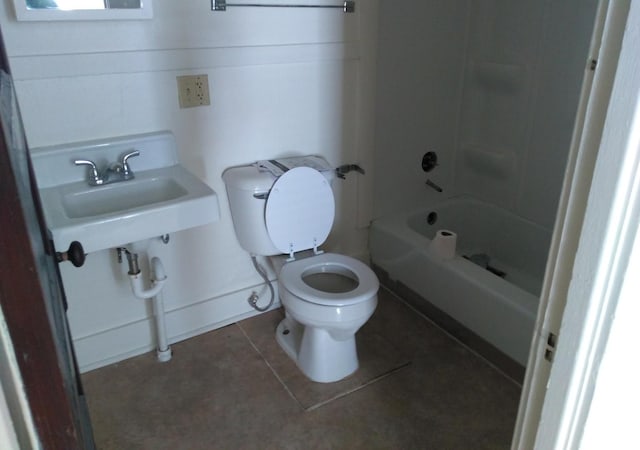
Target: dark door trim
{"x": 24, "y": 303}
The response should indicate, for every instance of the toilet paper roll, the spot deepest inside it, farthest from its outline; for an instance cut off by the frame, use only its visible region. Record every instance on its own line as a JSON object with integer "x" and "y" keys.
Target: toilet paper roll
{"x": 443, "y": 245}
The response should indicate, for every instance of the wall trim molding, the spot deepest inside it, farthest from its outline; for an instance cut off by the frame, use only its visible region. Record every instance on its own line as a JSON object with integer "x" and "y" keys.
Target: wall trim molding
{"x": 136, "y": 338}
{"x": 35, "y": 67}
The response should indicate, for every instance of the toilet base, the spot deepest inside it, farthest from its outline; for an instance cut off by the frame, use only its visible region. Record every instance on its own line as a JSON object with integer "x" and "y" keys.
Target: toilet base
{"x": 316, "y": 353}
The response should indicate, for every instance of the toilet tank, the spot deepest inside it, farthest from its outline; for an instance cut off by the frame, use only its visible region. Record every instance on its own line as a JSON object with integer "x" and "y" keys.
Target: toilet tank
{"x": 247, "y": 190}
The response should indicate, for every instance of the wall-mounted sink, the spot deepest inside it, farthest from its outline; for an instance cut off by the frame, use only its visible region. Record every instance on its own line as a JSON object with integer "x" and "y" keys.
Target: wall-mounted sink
{"x": 113, "y": 198}
{"x": 164, "y": 197}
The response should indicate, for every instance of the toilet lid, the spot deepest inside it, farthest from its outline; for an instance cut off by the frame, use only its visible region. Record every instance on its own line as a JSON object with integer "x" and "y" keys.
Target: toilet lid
{"x": 300, "y": 210}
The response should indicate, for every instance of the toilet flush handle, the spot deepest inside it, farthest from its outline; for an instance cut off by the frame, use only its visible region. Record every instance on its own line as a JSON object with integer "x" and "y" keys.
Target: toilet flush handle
{"x": 261, "y": 195}
{"x": 342, "y": 171}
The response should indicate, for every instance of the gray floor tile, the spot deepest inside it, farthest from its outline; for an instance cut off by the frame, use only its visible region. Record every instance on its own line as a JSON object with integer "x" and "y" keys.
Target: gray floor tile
{"x": 377, "y": 357}
{"x": 224, "y": 389}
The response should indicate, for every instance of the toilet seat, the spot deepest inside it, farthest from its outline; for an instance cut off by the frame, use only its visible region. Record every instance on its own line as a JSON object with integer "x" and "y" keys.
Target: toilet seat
{"x": 291, "y": 278}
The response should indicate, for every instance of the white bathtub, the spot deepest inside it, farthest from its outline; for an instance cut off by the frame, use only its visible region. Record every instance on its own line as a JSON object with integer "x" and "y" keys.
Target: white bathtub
{"x": 501, "y": 310}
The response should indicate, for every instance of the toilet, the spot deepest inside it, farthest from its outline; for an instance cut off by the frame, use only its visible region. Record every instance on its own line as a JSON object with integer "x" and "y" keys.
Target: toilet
{"x": 286, "y": 213}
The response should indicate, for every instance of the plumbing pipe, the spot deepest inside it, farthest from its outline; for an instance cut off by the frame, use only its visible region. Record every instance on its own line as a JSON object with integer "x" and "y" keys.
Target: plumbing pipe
{"x": 163, "y": 352}
{"x": 137, "y": 286}
{"x": 158, "y": 278}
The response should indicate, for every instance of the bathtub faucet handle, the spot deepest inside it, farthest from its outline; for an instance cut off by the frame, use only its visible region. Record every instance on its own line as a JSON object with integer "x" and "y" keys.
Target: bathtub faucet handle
{"x": 342, "y": 171}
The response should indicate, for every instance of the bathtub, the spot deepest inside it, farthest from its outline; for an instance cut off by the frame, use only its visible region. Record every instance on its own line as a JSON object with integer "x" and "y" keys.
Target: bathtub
{"x": 497, "y": 295}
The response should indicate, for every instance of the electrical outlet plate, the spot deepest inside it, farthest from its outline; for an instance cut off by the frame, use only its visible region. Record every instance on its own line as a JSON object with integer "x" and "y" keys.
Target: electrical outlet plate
{"x": 193, "y": 90}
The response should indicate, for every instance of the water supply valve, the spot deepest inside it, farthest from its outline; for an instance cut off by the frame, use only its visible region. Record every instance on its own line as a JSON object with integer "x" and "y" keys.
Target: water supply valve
{"x": 132, "y": 260}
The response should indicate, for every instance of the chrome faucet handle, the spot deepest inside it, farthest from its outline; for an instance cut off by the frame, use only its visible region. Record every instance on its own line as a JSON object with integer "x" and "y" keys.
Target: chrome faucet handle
{"x": 94, "y": 176}
{"x": 126, "y": 156}
{"x": 126, "y": 170}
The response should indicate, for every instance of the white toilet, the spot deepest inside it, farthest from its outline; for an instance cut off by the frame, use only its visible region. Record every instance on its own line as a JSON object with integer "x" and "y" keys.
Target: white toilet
{"x": 327, "y": 297}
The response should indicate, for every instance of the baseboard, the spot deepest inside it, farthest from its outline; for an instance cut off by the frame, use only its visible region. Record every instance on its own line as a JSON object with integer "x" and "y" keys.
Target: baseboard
{"x": 135, "y": 338}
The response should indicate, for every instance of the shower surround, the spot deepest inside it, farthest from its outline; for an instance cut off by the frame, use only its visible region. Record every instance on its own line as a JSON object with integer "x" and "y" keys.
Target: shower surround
{"x": 491, "y": 87}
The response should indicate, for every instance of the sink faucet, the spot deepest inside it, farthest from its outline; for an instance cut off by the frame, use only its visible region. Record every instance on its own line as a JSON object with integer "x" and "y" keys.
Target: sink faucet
{"x": 113, "y": 173}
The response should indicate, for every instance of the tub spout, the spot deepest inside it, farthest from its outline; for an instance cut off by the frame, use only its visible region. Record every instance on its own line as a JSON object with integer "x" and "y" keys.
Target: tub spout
{"x": 434, "y": 186}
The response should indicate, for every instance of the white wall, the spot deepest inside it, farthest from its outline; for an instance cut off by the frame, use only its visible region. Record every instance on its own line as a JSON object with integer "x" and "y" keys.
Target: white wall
{"x": 282, "y": 82}
{"x": 492, "y": 87}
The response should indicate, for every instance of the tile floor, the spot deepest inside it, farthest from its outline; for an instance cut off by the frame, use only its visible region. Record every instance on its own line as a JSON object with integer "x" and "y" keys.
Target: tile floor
{"x": 233, "y": 388}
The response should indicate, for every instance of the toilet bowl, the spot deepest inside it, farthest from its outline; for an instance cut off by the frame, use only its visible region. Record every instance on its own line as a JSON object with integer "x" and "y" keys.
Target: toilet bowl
{"x": 327, "y": 297}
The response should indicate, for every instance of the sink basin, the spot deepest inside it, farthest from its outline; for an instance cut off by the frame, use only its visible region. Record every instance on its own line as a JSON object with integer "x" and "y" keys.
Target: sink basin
{"x": 120, "y": 197}
{"x": 164, "y": 197}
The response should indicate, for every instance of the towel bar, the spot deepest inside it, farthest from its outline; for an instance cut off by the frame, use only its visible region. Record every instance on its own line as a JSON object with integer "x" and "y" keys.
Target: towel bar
{"x": 222, "y": 5}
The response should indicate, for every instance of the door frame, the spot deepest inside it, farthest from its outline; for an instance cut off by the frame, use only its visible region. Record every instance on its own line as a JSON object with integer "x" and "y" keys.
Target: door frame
{"x": 598, "y": 223}
{"x": 26, "y": 306}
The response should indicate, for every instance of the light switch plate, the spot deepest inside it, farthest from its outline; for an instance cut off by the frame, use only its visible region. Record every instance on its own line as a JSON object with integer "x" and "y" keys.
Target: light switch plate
{"x": 193, "y": 90}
